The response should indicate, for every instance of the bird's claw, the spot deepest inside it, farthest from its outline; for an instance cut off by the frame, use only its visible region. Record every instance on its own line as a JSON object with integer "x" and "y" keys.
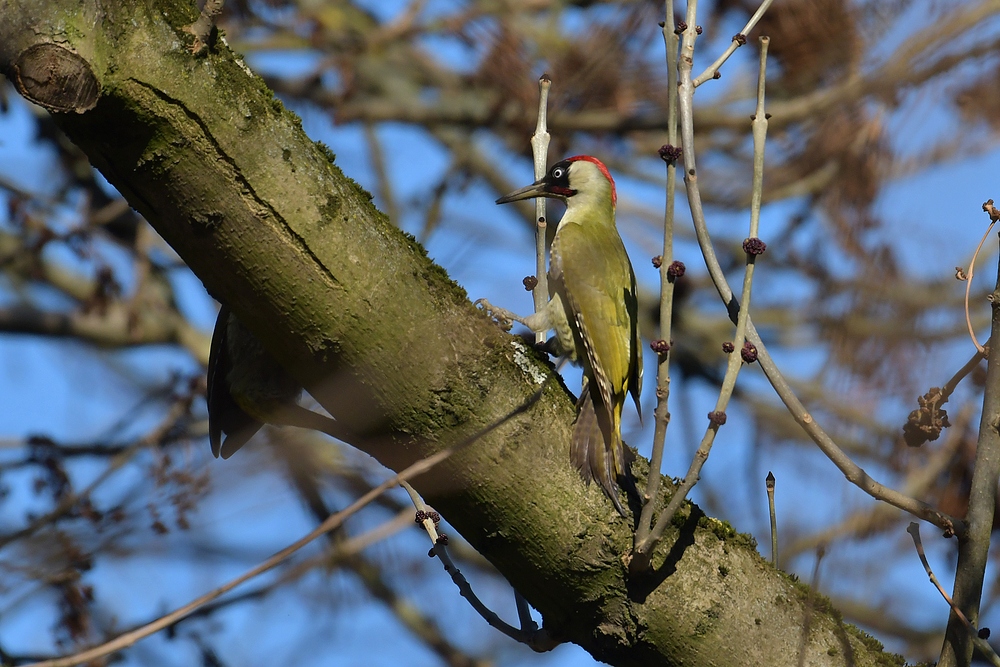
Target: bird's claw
{"x": 503, "y": 318}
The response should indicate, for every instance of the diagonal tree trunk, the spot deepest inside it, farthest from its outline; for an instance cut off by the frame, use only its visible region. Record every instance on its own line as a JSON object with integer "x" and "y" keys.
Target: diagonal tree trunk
{"x": 386, "y": 342}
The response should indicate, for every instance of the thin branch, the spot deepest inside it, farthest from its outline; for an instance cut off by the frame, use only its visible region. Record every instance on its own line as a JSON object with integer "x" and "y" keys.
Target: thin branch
{"x": 988, "y": 207}
{"x": 961, "y": 373}
{"x": 540, "y": 153}
{"x": 739, "y": 39}
{"x": 973, "y": 546}
{"x": 529, "y": 634}
{"x": 669, "y": 273}
{"x": 421, "y": 625}
{"x": 914, "y": 530}
{"x": 769, "y": 483}
{"x": 335, "y": 521}
{"x": 347, "y": 549}
{"x": 642, "y": 552}
{"x": 852, "y": 471}
{"x": 918, "y": 483}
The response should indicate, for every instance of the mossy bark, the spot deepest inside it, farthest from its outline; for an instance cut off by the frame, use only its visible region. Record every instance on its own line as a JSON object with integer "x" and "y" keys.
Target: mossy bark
{"x": 386, "y": 342}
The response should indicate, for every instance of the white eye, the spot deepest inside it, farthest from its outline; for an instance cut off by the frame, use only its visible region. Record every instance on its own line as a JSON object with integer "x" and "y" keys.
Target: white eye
{"x": 558, "y": 172}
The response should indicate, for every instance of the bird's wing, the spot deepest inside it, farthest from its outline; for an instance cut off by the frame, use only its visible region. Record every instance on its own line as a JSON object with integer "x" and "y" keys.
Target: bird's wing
{"x": 599, "y": 307}
{"x": 217, "y": 395}
{"x": 635, "y": 358}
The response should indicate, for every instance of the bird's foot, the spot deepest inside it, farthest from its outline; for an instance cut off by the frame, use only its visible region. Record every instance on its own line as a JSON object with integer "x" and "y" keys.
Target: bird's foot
{"x": 503, "y": 317}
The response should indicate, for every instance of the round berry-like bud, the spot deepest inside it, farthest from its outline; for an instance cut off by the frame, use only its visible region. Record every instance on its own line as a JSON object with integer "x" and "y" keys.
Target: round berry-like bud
{"x": 717, "y": 418}
{"x": 984, "y": 633}
{"x": 442, "y": 539}
{"x": 740, "y": 38}
{"x": 754, "y": 246}
{"x": 681, "y": 27}
{"x": 530, "y": 282}
{"x": 698, "y": 29}
{"x": 434, "y": 516}
{"x": 658, "y": 261}
{"x": 420, "y": 516}
{"x": 728, "y": 347}
{"x": 669, "y": 153}
{"x": 717, "y": 75}
{"x": 675, "y": 270}
{"x": 749, "y": 352}
{"x": 660, "y": 346}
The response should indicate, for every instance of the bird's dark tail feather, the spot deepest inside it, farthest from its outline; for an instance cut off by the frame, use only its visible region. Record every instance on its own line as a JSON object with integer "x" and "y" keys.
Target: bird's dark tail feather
{"x": 593, "y": 457}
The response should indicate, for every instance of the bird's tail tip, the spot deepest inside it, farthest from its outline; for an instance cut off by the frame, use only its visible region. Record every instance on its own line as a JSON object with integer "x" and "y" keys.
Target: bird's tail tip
{"x": 594, "y": 460}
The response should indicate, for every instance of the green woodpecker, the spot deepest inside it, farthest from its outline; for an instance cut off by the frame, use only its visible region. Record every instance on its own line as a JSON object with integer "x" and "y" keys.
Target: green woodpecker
{"x": 247, "y": 388}
{"x": 593, "y": 311}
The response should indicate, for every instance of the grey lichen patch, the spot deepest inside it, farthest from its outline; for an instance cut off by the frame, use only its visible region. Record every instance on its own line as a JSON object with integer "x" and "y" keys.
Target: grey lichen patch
{"x": 524, "y": 361}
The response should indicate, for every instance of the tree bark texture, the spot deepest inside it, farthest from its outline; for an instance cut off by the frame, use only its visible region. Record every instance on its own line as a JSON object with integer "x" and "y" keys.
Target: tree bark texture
{"x": 386, "y": 342}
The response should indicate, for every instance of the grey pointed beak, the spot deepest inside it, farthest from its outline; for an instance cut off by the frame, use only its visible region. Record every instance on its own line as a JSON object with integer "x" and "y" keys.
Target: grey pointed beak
{"x": 536, "y": 189}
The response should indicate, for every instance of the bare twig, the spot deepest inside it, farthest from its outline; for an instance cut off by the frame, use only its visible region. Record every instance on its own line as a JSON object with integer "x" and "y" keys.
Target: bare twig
{"x": 918, "y": 483}
{"x": 769, "y": 483}
{"x": 914, "y": 530}
{"x": 669, "y": 274}
{"x": 961, "y": 373}
{"x": 989, "y": 208}
{"x": 540, "y": 153}
{"x": 738, "y": 40}
{"x": 973, "y": 546}
{"x": 529, "y": 634}
{"x": 127, "y": 639}
{"x": 346, "y": 552}
{"x": 642, "y": 551}
{"x": 852, "y": 471}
